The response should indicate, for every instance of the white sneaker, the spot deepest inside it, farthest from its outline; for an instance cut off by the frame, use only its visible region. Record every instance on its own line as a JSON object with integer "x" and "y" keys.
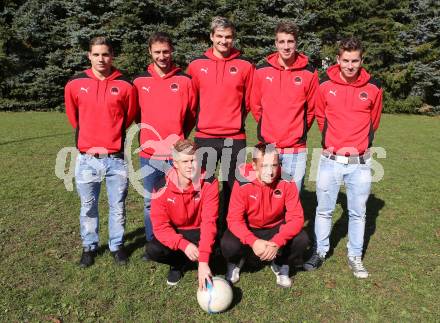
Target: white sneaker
{"x": 233, "y": 271}
{"x": 356, "y": 265}
{"x": 282, "y": 274}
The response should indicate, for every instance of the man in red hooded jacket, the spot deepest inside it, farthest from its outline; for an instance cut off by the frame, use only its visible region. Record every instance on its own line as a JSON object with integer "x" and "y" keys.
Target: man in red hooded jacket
{"x": 283, "y": 101}
{"x": 101, "y": 105}
{"x": 184, "y": 215}
{"x": 223, "y": 80}
{"x": 167, "y": 103}
{"x": 348, "y": 114}
{"x": 265, "y": 219}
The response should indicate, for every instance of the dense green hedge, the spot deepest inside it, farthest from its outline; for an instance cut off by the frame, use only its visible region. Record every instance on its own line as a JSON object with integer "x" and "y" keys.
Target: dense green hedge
{"x": 42, "y": 43}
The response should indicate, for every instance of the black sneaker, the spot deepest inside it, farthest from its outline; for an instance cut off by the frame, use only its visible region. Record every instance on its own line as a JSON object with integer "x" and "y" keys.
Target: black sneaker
{"x": 145, "y": 256}
{"x": 314, "y": 262}
{"x": 120, "y": 257}
{"x": 174, "y": 276}
{"x": 87, "y": 258}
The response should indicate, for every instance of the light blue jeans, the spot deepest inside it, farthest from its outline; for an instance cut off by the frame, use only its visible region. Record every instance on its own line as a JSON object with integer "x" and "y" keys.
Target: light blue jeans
{"x": 89, "y": 173}
{"x": 293, "y": 166}
{"x": 357, "y": 180}
{"x": 153, "y": 174}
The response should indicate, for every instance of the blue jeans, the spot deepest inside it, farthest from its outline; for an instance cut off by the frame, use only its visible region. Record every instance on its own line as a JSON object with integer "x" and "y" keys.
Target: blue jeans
{"x": 153, "y": 174}
{"x": 357, "y": 179}
{"x": 89, "y": 173}
{"x": 293, "y": 166}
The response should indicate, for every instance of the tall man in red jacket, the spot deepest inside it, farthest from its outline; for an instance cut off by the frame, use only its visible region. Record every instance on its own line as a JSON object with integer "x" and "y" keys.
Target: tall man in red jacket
{"x": 283, "y": 101}
{"x": 223, "y": 81}
{"x": 184, "y": 215}
{"x": 265, "y": 219}
{"x": 348, "y": 114}
{"x": 101, "y": 105}
{"x": 167, "y": 104}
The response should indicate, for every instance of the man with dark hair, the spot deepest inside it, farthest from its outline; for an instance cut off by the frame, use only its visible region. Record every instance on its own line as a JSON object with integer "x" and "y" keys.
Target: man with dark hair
{"x": 283, "y": 101}
{"x": 223, "y": 81}
{"x": 265, "y": 219}
{"x": 167, "y": 104}
{"x": 348, "y": 114}
{"x": 101, "y": 105}
{"x": 184, "y": 215}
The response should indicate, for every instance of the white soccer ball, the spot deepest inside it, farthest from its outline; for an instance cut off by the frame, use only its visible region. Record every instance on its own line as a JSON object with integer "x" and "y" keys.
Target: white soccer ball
{"x": 217, "y": 298}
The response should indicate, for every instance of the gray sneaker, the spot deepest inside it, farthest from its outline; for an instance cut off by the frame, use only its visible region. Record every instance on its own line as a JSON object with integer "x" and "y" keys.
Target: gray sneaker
{"x": 356, "y": 265}
{"x": 233, "y": 271}
{"x": 282, "y": 274}
{"x": 314, "y": 262}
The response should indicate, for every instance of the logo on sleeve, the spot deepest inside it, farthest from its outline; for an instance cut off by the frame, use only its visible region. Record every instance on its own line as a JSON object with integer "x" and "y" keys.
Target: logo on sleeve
{"x": 278, "y": 193}
{"x": 297, "y": 80}
{"x": 363, "y": 96}
{"x": 114, "y": 90}
{"x": 233, "y": 70}
{"x": 174, "y": 87}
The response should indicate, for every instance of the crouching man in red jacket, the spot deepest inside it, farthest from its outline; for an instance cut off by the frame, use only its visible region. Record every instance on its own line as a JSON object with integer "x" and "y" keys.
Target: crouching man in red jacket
{"x": 265, "y": 216}
{"x": 184, "y": 215}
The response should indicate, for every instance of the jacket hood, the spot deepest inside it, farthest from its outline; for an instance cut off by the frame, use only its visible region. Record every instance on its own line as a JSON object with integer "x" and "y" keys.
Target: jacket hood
{"x": 115, "y": 74}
{"x": 301, "y": 61}
{"x": 174, "y": 69}
{"x": 333, "y": 73}
{"x": 234, "y": 54}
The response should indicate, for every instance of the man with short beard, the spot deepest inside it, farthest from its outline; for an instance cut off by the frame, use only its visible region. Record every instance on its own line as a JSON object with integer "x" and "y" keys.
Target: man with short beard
{"x": 167, "y": 103}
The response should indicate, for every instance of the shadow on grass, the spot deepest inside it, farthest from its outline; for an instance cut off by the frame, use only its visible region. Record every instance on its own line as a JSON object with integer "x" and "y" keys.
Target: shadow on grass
{"x": 237, "y": 297}
{"x": 134, "y": 240}
{"x": 340, "y": 228}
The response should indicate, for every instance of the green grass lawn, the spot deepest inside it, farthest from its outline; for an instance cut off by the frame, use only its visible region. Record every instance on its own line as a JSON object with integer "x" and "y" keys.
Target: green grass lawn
{"x": 40, "y": 243}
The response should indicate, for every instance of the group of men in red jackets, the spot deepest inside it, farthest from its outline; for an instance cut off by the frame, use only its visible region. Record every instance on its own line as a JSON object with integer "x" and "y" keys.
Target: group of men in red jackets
{"x": 261, "y": 215}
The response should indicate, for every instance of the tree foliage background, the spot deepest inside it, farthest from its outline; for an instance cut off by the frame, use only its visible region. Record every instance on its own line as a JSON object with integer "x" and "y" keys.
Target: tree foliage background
{"x": 43, "y": 43}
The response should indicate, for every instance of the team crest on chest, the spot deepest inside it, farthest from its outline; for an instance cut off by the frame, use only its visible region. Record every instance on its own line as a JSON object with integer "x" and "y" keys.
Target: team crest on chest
{"x": 114, "y": 90}
{"x": 297, "y": 80}
{"x": 174, "y": 87}
{"x": 363, "y": 96}
{"x": 278, "y": 193}
{"x": 233, "y": 70}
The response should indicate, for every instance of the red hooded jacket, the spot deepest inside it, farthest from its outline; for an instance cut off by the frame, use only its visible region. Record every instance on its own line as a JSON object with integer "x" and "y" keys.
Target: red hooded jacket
{"x": 167, "y": 110}
{"x": 224, "y": 88}
{"x": 348, "y": 114}
{"x": 257, "y": 205}
{"x": 283, "y": 101}
{"x": 100, "y": 111}
{"x": 193, "y": 208}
